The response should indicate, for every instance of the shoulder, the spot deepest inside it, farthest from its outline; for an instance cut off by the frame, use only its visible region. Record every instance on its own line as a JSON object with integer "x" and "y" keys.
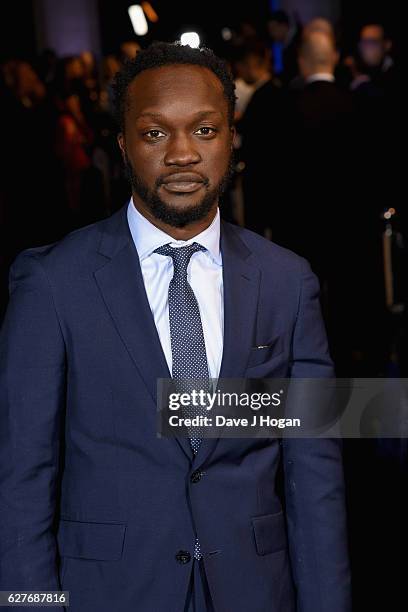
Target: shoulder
{"x": 70, "y": 252}
{"x": 267, "y": 255}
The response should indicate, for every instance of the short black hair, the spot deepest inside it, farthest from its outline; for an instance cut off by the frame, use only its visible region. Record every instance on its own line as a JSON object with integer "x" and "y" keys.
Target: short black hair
{"x": 161, "y": 54}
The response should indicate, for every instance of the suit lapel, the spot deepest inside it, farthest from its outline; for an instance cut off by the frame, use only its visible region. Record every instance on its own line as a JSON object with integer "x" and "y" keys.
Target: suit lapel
{"x": 241, "y": 280}
{"x": 121, "y": 284}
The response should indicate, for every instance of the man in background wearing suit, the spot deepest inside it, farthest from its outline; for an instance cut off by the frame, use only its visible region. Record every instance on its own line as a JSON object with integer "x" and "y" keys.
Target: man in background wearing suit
{"x": 92, "y": 501}
{"x": 264, "y": 118}
{"x": 322, "y": 125}
{"x": 323, "y": 162}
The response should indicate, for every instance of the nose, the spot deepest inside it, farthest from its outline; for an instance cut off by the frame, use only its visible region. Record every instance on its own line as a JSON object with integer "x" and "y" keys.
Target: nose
{"x": 181, "y": 151}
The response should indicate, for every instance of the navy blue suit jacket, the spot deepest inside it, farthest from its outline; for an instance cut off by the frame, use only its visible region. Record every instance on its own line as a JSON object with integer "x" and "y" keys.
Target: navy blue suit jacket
{"x": 92, "y": 501}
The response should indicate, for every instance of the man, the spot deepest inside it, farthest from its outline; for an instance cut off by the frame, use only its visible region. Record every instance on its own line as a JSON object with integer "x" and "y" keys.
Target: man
{"x": 322, "y": 161}
{"x": 321, "y": 121}
{"x": 147, "y": 523}
{"x": 318, "y": 59}
{"x": 318, "y": 24}
{"x": 264, "y": 118}
{"x": 374, "y": 49}
{"x": 378, "y": 86}
{"x": 285, "y": 37}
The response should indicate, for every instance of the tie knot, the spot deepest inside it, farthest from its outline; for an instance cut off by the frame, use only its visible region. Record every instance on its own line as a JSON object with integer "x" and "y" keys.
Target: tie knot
{"x": 181, "y": 256}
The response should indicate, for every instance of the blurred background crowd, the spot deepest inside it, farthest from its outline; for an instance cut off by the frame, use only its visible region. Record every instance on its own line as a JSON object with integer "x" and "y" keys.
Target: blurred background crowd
{"x": 318, "y": 160}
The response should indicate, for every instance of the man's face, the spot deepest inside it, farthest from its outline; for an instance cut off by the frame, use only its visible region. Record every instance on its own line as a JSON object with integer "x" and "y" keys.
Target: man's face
{"x": 373, "y": 45}
{"x": 278, "y": 31}
{"x": 251, "y": 67}
{"x": 177, "y": 143}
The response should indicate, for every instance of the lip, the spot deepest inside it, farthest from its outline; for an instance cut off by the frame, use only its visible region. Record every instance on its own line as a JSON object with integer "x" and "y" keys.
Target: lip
{"x": 183, "y": 177}
{"x": 183, "y": 182}
{"x": 183, "y": 187}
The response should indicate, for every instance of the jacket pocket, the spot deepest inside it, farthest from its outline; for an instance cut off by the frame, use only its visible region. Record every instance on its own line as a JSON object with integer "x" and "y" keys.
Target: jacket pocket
{"x": 264, "y": 353}
{"x": 84, "y": 540}
{"x": 270, "y": 533}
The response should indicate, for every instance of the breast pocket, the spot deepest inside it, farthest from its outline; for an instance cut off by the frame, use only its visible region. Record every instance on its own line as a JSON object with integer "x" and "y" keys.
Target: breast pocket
{"x": 88, "y": 540}
{"x": 266, "y": 352}
{"x": 270, "y": 533}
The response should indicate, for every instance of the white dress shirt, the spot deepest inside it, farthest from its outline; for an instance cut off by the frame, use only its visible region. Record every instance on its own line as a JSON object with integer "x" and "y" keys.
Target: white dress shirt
{"x": 204, "y": 275}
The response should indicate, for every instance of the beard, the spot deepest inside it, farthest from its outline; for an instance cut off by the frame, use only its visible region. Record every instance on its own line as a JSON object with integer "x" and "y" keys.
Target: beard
{"x": 170, "y": 213}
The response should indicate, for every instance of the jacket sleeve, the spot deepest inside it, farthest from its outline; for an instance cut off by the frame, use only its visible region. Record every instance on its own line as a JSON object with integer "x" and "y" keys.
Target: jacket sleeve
{"x": 314, "y": 481}
{"x": 32, "y": 381}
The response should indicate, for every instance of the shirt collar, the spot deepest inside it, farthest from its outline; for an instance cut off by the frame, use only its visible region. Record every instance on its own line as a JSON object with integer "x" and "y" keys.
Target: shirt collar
{"x": 321, "y": 76}
{"x": 147, "y": 237}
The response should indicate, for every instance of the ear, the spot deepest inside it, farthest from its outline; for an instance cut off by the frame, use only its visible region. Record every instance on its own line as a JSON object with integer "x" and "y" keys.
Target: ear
{"x": 388, "y": 45}
{"x": 121, "y": 143}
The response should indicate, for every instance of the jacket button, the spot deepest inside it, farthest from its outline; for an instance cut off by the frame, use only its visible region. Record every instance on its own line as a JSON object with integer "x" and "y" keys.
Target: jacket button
{"x": 183, "y": 557}
{"x": 196, "y": 476}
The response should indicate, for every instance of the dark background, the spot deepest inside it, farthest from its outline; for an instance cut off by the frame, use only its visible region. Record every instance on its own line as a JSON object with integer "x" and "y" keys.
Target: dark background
{"x": 18, "y": 36}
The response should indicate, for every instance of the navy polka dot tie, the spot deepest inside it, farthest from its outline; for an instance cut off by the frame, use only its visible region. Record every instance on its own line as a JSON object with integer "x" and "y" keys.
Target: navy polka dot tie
{"x": 189, "y": 357}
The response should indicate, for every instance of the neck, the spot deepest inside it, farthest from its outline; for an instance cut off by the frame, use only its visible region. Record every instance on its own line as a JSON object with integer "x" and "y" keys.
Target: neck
{"x": 178, "y": 233}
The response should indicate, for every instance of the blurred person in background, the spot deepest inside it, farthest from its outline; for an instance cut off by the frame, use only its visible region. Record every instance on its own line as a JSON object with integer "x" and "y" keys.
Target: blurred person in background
{"x": 323, "y": 26}
{"x": 107, "y": 156}
{"x": 314, "y": 25}
{"x": 374, "y": 49}
{"x": 47, "y": 65}
{"x": 376, "y": 469}
{"x": 77, "y": 75}
{"x": 232, "y": 200}
{"x": 26, "y": 86}
{"x": 73, "y": 143}
{"x": 322, "y": 129}
{"x": 385, "y": 106}
{"x": 80, "y": 122}
{"x": 263, "y": 123}
{"x": 253, "y": 63}
{"x": 70, "y": 74}
{"x": 110, "y": 66}
{"x": 90, "y": 78}
{"x": 380, "y": 112}
{"x": 90, "y": 69}
{"x": 321, "y": 99}
{"x": 322, "y": 115}
{"x": 286, "y": 35}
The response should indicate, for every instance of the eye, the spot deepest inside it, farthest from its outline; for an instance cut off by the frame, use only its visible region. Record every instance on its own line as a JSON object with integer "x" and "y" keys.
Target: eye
{"x": 154, "y": 134}
{"x": 205, "y": 131}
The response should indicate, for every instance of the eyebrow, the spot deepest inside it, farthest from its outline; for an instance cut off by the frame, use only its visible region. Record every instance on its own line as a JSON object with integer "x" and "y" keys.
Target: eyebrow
{"x": 199, "y": 115}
